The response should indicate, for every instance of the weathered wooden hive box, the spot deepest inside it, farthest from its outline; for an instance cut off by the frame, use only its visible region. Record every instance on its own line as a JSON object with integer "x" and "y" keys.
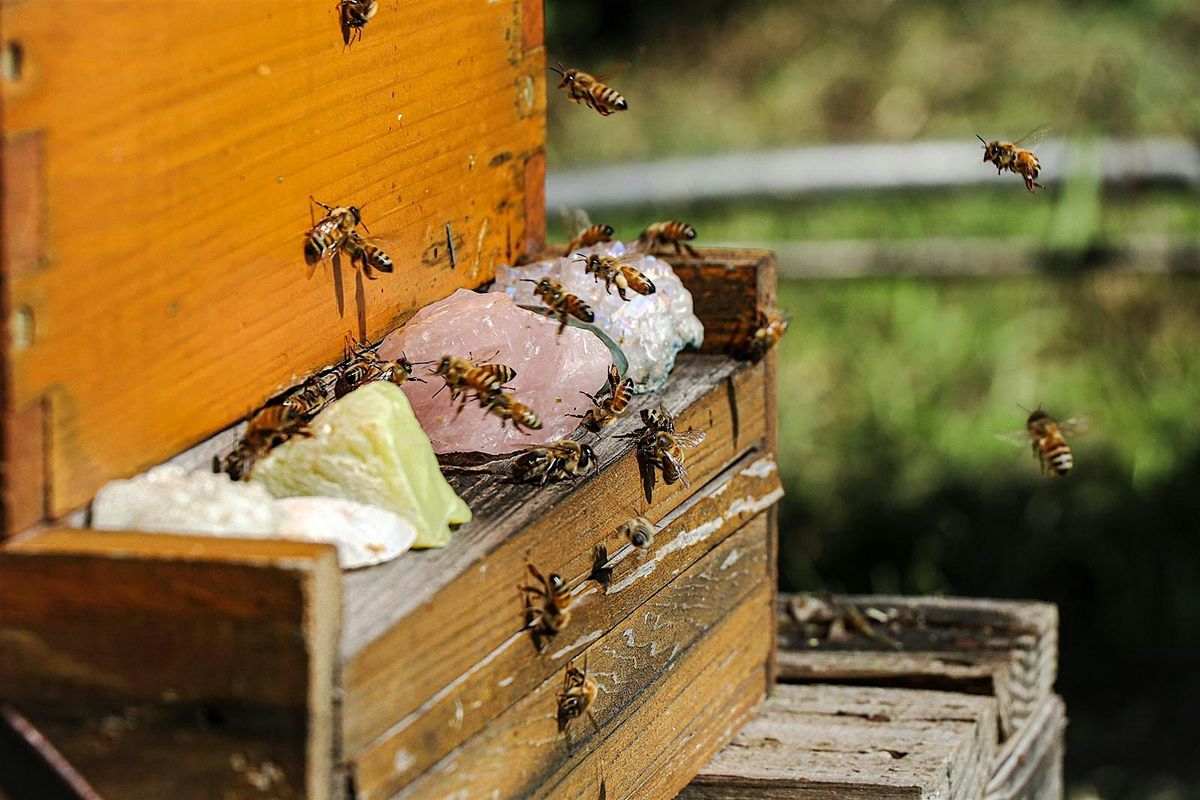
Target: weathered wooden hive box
{"x": 157, "y": 163}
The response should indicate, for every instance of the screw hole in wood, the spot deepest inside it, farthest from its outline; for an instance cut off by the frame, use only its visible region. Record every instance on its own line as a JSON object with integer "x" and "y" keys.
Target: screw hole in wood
{"x": 12, "y": 61}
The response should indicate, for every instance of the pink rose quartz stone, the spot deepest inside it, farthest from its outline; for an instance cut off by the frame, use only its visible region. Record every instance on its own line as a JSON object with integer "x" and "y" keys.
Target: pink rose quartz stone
{"x": 552, "y": 370}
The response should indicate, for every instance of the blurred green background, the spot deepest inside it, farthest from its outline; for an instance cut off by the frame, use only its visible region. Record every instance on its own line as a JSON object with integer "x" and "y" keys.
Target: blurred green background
{"x": 898, "y": 386}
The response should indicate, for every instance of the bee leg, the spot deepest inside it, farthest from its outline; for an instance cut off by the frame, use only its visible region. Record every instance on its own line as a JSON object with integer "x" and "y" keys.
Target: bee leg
{"x": 691, "y": 250}
{"x": 592, "y": 720}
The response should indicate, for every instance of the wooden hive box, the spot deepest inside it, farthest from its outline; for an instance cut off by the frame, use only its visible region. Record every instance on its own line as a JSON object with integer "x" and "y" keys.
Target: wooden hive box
{"x": 157, "y": 160}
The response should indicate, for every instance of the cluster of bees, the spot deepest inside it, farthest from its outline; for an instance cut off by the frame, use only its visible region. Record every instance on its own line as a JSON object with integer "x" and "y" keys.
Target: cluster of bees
{"x": 280, "y": 421}
{"x": 484, "y": 383}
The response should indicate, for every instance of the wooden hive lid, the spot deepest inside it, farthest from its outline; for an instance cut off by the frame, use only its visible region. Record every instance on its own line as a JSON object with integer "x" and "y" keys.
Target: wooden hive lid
{"x": 157, "y": 161}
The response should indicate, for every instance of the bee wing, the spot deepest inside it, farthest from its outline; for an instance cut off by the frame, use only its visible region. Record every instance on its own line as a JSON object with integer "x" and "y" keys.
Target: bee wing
{"x": 673, "y": 471}
{"x": 574, "y": 219}
{"x": 1076, "y": 426}
{"x": 1018, "y": 438}
{"x": 691, "y": 438}
{"x": 1034, "y": 136}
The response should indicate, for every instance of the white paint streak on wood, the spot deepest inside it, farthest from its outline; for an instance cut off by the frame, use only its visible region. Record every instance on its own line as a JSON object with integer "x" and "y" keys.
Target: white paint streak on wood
{"x": 753, "y": 506}
{"x": 582, "y": 641}
{"x": 731, "y": 559}
{"x": 633, "y": 577}
{"x": 761, "y": 468}
{"x": 402, "y": 762}
{"x": 506, "y": 681}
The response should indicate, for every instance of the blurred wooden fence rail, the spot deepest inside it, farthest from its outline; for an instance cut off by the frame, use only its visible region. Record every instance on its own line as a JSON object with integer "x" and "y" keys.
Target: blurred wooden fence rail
{"x": 835, "y": 168}
{"x": 889, "y": 697}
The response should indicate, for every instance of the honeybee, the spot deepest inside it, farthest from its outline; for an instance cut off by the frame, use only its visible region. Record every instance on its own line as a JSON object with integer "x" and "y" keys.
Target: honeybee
{"x": 509, "y": 410}
{"x": 400, "y": 371}
{"x": 355, "y": 14}
{"x": 309, "y": 399}
{"x": 616, "y": 271}
{"x": 577, "y": 696}
{"x": 362, "y": 366}
{"x": 556, "y": 297}
{"x": 1011, "y": 156}
{"x": 589, "y": 90}
{"x": 327, "y": 235}
{"x": 593, "y": 234}
{"x": 366, "y": 256}
{"x": 613, "y": 405}
{"x": 1049, "y": 443}
{"x": 462, "y": 376}
{"x": 552, "y": 611}
{"x": 268, "y": 428}
{"x": 660, "y": 234}
{"x": 639, "y": 531}
{"x": 562, "y": 459}
{"x": 660, "y": 449}
{"x": 770, "y": 326}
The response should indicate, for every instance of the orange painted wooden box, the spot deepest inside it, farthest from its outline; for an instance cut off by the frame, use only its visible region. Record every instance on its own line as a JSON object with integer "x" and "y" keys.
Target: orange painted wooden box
{"x": 156, "y": 167}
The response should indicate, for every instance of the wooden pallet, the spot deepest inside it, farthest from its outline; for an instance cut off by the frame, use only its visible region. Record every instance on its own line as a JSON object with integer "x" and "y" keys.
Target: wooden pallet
{"x": 902, "y": 697}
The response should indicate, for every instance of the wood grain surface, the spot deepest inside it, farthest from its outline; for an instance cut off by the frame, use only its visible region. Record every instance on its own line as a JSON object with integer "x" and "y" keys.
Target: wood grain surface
{"x": 474, "y": 699}
{"x": 844, "y": 742}
{"x": 1029, "y": 766}
{"x": 158, "y": 268}
{"x": 705, "y": 633}
{"x": 554, "y": 526}
{"x": 133, "y": 649}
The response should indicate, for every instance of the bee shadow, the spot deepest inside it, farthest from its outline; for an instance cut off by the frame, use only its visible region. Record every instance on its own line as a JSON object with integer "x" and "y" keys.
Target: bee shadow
{"x": 339, "y": 291}
{"x": 360, "y": 303}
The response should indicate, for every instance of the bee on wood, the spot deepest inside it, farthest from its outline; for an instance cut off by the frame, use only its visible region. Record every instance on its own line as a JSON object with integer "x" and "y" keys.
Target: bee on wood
{"x": 611, "y": 406}
{"x": 618, "y": 272}
{"x": 588, "y": 89}
{"x": 556, "y": 297}
{"x": 1014, "y": 158}
{"x": 365, "y": 256}
{"x": 307, "y": 401}
{"x": 770, "y": 326}
{"x": 639, "y": 531}
{"x": 1049, "y": 442}
{"x": 559, "y": 460}
{"x": 551, "y": 611}
{"x": 661, "y": 234}
{"x": 509, "y": 410}
{"x": 270, "y": 427}
{"x": 660, "y": 449}
{"x": 462, "y": 376}
{"x": 355, "y": 14}
{"x": 330, "y": 233}
{"x": 400, "y": 371}
{"x": 591, "y": 235}
{"x": 362, "y": 366}
{"x": 577, "y": 697}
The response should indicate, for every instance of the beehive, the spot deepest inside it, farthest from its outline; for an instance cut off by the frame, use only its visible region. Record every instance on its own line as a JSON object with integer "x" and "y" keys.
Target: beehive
{"x": 157, "y": 163}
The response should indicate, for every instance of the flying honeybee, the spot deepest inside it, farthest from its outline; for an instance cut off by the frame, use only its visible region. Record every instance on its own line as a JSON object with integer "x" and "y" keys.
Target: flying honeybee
{"x": 618, "y": 272}
{"x": 329, "y": 234}
{"x": 366, "y": 256}
{"x": 660, "y": 449}
{"x": 593, "y": 234}
{"x": 509, "y": 410}
{"x": 1049, "y": 443}
{"x": 577, "y": 697}
{"x": 639, "y": 531}
{"x": 661, "y": 234}
{"x": 1015, "y": 158}
{"x": 611, "y": 406}
{"x": 562, "y": 459}
{"x": 463, "y": 375}
{"x": 770, "y": 326}
{"x": 551, "y": 611}
{"x": 355, "y": 14}
{"x": 590, "y": 90}
{"x": 556, "y": 297}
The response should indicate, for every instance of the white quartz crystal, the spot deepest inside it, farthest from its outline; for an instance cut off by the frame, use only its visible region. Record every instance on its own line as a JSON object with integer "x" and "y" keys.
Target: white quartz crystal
{"x": 169, "y": 499}
{"x": 649, "y": 329}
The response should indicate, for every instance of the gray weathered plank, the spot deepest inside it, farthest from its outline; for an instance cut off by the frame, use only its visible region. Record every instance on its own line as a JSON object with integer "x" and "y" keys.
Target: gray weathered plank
{"x": 824, "y": 742}
{"x": 1029, "y": 765}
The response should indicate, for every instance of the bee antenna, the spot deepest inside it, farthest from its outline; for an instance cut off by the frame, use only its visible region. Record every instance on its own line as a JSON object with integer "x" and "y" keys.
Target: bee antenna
{"x": 980, "y": 138}
{"x": 560, "y": 69}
